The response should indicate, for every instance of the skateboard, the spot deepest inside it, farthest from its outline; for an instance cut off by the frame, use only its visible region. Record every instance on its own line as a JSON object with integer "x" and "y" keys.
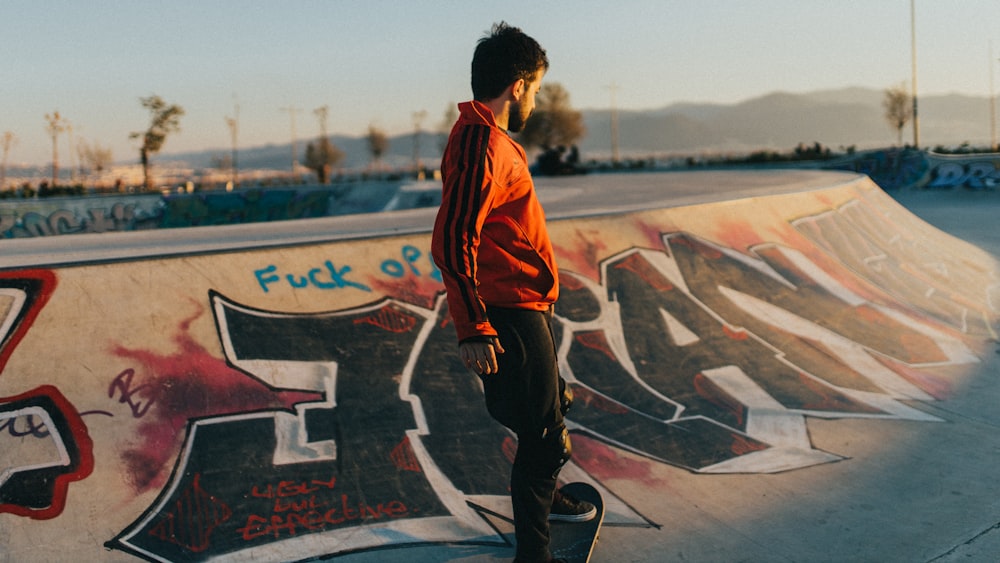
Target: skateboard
{"x": 574, "y": 541}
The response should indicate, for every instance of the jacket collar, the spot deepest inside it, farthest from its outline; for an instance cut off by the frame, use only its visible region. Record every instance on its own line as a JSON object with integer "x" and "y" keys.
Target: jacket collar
{"x": 477, "y": 112}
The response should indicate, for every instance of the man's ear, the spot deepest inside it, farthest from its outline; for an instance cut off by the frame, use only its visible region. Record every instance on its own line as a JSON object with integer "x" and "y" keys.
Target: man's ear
{"x": 517, "y": 89}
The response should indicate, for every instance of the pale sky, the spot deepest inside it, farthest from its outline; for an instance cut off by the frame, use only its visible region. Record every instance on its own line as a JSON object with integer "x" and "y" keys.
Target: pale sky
{"x": 380, "y": 61}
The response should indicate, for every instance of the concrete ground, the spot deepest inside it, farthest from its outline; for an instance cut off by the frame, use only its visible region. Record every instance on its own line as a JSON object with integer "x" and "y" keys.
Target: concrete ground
{"x": 972, "y": 216}
{"x": 968, "y": 215}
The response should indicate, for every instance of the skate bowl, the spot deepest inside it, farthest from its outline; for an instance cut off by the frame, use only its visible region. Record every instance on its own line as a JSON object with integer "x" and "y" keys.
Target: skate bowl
{"x": 779, "y": 365}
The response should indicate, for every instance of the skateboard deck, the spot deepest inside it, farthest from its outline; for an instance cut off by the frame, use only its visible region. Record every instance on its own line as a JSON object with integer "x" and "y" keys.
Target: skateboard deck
{"x": 574, "y": 541}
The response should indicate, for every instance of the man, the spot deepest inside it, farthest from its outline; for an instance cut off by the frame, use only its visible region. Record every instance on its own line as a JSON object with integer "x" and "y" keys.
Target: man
{"x": 492, "y": 247}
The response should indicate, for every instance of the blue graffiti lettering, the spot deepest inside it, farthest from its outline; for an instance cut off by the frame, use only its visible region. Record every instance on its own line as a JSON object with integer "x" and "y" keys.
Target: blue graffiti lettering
{"x": 338, "y": 277}
{"x": 298, "y": 282}
{"x": 328, "y": 277}
{"x": 410, "y": 255}
{"x": 263, "y": 278}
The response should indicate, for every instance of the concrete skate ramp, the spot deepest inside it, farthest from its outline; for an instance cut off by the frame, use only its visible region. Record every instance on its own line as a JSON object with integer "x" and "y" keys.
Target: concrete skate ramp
{"x": 291, "y": 391}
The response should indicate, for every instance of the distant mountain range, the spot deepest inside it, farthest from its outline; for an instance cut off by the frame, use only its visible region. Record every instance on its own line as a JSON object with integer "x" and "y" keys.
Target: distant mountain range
{"x": 780, "y": 121}
{"x": 777, "y": 121}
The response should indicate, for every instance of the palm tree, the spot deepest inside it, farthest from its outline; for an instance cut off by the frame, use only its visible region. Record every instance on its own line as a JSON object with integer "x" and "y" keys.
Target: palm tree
{"x": 378, "y": 143}
{"x": 164, "y": 119}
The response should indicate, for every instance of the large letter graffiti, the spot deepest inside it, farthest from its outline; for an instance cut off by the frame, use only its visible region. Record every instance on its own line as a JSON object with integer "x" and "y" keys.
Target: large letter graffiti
{"x": 396, "y": 447}
{"x": 889, "y": 168}
{"x": 44, "y": 445}
{"x": 352, "y": 460}
{"x": 119, "y": 217}
{"x": 973, "y": 174}
{"x": 917, "y": 271}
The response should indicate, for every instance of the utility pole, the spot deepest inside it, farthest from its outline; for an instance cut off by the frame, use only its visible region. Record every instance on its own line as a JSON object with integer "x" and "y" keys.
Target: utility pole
{"x": 55, "y": 127}
{"x": 7, "y": 140}
{"x": 74, "y": 161}
{"x": 321, "y": 114}
{"x": 913, "y": 65}
{"x": 234, "y": 128}
{"x": 291, "y": 113}
{"x": 993, "y": 104}
{"x": 614, "y": 122}
{"x": 418, "y": 118}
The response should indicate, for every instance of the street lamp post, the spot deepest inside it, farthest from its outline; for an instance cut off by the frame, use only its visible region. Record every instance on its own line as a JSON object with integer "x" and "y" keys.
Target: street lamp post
{"x": 234, "y": 128}
{"x": 993, "y": 104}
{"x": 292, "y": 110}
{"x": 913, "y": 64}
{"x": 614, "y": 123}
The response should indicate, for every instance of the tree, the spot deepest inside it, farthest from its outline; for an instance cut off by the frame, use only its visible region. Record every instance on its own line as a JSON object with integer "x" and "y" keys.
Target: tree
{"x": 321, "y": 157}
{"x": 57, "y": 124}
{"x": 94, "y": 156}
{"x": 378, "y": 143}
{"x": 554, "y": 122}
{"x": 898, "y": 109}
{"x": 164, "y": 119}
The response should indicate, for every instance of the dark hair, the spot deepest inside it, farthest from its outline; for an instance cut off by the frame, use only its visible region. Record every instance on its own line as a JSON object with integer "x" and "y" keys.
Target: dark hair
{"x": 503, "y": 57}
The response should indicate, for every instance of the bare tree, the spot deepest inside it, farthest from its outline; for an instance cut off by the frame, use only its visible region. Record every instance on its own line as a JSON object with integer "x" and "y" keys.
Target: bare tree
{"x": 378, "y": 143}
{"x": 7, "y": 140}
{"x": 898, "y": 109}
{"x": 92, "y": 155}
{"x": 164, "y": 119}
{"x": 322, "y": 155}
{"x": 56, "y": 125}
{"x": 554, "y": 121}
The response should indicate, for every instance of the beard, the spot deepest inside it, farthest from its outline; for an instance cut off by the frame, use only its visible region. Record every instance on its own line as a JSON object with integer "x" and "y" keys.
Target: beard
{"x": 518, "y": 117}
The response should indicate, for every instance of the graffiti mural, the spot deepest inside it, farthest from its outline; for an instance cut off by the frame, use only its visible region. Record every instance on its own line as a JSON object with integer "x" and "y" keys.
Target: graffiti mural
{"x": 44, "y": 445}
{"x": 880, "y": 247}
{"x": 693, "y": 355}
{"x": 891, "y": 169}
{"x": 895, "y": 168}
{"x": 119, "y": 217}
{"x": 971, "y": 172}
{"x": 251, "y": 206}
{"x": 115, "y": 213}
{"x": 305, "y": 403}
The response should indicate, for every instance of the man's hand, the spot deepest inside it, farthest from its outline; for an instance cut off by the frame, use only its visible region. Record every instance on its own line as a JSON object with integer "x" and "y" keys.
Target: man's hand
{"x": 481, "y": 357}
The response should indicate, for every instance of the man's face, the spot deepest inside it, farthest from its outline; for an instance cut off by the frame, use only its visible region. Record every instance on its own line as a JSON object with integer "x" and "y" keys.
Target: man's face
{"x": 521, "y": 109}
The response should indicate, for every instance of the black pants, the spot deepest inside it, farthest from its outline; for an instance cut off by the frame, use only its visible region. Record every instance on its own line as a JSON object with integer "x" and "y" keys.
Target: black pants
{"x": 524, "y": 395}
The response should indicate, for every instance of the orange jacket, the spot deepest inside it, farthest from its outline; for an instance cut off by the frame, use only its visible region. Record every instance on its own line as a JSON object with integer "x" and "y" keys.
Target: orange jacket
{"x": 490, "y": 240}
